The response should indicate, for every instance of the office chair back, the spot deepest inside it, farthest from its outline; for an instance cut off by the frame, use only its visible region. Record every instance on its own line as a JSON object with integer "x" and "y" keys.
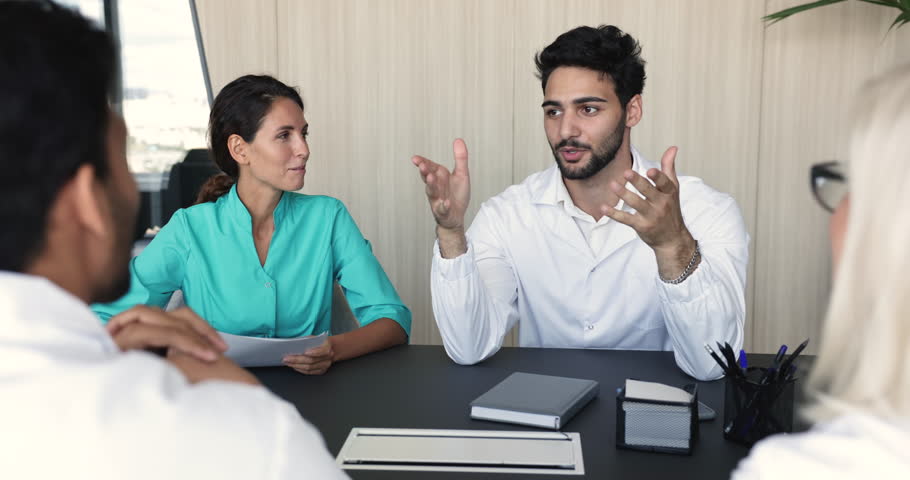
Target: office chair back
{"x": 186, "y": 178}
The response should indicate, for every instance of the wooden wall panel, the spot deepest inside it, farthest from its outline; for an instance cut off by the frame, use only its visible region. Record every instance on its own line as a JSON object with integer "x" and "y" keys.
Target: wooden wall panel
{"x": 384, "y": 80}
{"x": 239, "y": 38}
{"x": 815, "y": 63}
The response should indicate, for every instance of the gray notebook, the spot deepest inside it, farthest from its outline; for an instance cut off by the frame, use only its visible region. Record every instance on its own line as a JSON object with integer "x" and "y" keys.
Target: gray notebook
{"x": 536, "y": 400}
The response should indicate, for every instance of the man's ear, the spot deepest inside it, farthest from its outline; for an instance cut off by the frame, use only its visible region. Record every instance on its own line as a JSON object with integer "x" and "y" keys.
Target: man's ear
{"x": 238, "y": 148}
{"x": 633, "y": 111}
{"x": 87, "y": 201}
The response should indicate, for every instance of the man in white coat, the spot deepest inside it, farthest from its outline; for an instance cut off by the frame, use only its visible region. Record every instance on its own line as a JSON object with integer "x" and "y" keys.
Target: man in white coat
{"x": 79, "y": 400}
{"x": 602, "y": 250}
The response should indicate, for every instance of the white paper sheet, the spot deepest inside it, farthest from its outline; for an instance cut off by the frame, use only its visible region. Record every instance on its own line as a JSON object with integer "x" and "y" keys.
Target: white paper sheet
{"x": 267, "y": 352}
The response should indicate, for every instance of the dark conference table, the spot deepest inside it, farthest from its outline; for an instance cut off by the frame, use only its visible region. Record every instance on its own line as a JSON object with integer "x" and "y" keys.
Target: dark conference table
{"x": 418, "y": 386}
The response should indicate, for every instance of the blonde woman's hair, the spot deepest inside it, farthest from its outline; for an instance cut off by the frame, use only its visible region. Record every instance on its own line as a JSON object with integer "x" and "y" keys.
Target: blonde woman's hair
{"x": 864, "y": 358}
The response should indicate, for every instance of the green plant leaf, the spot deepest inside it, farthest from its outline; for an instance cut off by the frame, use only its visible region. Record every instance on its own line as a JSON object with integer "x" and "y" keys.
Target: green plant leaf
{"x": 778, "y": 16}
{"x": 902, "y": 5}
{"x": 884, "y": 3}
{"x": 900, "y": 20}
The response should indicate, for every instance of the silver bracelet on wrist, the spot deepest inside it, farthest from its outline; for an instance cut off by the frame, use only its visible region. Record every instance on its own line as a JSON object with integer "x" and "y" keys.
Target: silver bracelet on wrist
{"x": 689, "y": 268}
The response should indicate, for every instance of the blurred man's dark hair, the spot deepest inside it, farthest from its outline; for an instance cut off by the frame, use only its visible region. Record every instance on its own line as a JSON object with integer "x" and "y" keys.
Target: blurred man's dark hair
{"x": 57, "y": 70}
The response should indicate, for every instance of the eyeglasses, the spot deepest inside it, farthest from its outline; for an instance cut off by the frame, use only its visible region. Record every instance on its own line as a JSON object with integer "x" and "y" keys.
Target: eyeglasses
{"x": 829, "y": 184}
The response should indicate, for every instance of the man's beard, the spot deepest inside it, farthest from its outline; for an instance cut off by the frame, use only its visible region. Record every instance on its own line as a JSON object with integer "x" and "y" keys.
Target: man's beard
{"x": 601, "y": 156}
{"x": 119, "y": 281}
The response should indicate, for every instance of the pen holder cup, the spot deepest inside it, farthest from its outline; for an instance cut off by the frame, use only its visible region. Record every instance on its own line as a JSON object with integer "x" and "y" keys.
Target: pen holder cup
{"x": 753, "y": 410}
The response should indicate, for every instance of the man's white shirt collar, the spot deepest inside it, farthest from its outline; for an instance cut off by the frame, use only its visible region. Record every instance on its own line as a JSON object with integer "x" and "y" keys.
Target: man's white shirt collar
{"x": 552, "y": 190}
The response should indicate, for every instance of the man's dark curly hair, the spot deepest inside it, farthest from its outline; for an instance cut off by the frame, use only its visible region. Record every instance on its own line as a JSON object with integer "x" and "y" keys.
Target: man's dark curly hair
{"x": 605, "y": 49}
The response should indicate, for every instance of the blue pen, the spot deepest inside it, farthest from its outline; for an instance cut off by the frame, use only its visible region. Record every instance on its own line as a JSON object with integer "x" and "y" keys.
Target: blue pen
{"x": 780, "y": 356}
{"x": 771, "y": 373}
{"x": 743, "y": 363}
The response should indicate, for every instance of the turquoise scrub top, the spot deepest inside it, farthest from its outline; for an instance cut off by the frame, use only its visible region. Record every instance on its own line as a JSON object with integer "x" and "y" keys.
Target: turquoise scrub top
{"x": 208, "y": 252}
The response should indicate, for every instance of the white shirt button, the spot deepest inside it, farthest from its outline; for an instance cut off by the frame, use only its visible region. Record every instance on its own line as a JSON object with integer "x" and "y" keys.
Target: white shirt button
{"x": 589, "y": 326}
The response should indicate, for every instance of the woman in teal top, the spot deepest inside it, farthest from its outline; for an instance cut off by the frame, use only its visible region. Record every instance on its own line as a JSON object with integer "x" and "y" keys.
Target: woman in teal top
{"x": 254, "y": 258}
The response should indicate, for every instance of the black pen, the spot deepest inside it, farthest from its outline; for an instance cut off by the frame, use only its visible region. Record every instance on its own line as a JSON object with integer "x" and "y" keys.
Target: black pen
{"x": 727, "y": 351}
{"x": 789, "y": 361}
{"x": 717, "y": 359}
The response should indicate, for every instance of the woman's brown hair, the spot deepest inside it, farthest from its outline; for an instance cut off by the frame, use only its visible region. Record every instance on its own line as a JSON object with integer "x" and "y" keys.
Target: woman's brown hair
{"x": 239, "y": 109}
